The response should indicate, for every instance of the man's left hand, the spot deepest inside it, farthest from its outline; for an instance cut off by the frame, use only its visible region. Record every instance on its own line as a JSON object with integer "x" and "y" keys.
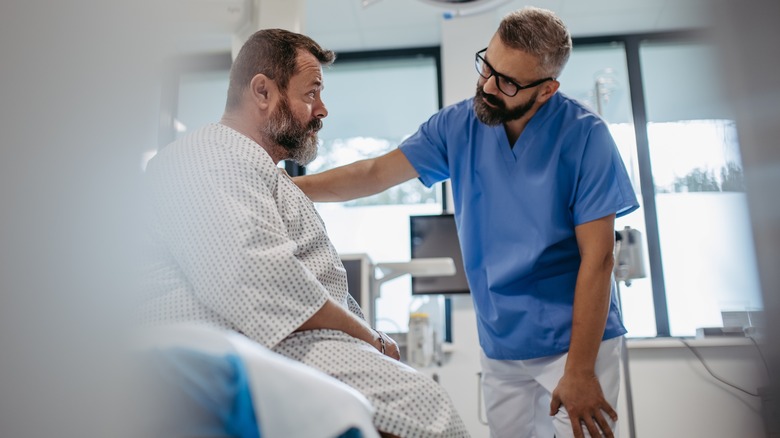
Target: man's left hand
{"x": 584, "y": 400}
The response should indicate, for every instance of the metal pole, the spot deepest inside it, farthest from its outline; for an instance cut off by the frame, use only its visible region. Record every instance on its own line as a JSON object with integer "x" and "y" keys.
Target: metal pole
{"x": 626, "y": 373}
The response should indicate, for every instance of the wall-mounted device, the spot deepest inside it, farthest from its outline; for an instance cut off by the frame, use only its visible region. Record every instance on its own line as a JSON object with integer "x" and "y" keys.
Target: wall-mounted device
{"x": 629, "y": 255}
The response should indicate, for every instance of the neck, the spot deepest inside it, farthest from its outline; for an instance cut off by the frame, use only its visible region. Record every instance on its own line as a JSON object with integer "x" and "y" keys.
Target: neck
{"x": 514, "y": 128}
{"x": 250, "y": 129}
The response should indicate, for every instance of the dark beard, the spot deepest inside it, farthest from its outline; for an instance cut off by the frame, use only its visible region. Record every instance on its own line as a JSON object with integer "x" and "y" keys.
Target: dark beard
{"x": 286, "y": 131}
{"x": 500, "y": 114}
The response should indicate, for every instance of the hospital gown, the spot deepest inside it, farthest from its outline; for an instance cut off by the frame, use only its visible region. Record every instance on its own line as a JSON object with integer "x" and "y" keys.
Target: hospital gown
{"x": 237, "y": 245}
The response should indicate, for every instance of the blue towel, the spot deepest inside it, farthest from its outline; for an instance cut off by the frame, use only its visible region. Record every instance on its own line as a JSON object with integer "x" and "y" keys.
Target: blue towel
{"x": 209, "y": 395}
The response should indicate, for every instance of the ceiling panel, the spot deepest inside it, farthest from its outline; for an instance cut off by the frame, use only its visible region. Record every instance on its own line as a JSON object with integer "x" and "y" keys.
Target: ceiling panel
{"x": 571, "y": 8}
{"x": 346, "y": 25}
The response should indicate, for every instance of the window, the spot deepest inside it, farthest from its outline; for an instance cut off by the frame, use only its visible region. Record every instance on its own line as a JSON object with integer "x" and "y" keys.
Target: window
{"x": 376, "y": 100}
{"x": 201, "y": 100}
{"x": 194, "y": 92}
{"x": 663, "y": 102}
{"x": 597, "y": 75}
{"x": 704, "y": 230}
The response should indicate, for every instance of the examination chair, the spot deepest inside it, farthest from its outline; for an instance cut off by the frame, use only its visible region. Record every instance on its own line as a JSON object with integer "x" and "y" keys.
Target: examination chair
{"x": 211, "y": 382}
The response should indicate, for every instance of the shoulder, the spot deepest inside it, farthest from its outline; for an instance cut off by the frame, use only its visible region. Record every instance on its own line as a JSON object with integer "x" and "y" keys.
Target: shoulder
{"x": 463, "y": 110}
{"x": 571, "y": 121}
{"x": 573, "y": 111}
{"x": 214, "y": 149}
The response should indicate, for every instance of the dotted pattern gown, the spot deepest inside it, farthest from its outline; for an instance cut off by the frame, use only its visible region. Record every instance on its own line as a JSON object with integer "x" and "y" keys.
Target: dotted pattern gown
{"x": 236, "y": 244}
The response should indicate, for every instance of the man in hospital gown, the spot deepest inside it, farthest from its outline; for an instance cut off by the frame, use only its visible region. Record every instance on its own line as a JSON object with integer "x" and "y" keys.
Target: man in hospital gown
{"x": 237, "y": 245}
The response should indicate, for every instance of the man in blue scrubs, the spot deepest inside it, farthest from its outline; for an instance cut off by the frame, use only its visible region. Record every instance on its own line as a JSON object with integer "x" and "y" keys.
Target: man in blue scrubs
{"x": 537, "y": 182}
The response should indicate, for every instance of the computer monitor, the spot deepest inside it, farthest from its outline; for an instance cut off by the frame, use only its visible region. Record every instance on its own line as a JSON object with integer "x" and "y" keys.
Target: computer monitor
{"x": 437, "y": 236}
{"x": 358, "y": 267}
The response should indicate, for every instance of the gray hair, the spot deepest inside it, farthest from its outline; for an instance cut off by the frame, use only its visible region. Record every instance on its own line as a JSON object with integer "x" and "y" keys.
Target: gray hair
{"x": 538, "y": 32}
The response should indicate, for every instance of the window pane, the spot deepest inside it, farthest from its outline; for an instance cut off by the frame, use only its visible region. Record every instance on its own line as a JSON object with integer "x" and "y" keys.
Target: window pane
{"x": 598, "y": 77}
{"x": 201, "y": 100}
{"x": 706, "y": 243}
{"x": 374, "y": 105}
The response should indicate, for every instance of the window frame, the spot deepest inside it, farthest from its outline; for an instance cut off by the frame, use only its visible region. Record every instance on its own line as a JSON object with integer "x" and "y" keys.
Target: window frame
{"x": 384, "y": 55}
{"x": 631, "y": 44}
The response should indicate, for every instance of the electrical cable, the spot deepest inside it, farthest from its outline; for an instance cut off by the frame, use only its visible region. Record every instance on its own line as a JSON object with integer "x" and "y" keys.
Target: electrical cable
{"x": 715, "y": 376}
{"x": 761, "y": 354}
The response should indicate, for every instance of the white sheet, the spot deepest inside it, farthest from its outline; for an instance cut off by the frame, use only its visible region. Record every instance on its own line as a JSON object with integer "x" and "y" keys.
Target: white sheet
{"x": 290, "y": 399}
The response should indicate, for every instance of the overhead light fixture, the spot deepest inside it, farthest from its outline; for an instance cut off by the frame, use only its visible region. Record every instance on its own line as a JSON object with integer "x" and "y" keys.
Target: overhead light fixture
{"x": 462, "y": 8}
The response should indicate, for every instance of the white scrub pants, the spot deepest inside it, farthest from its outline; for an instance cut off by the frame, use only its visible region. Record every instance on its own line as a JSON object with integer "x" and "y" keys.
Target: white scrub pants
{"x": 517, "y": 393}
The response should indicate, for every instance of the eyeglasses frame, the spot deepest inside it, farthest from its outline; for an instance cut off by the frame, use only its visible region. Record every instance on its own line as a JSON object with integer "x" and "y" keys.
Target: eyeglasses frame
{"x": 494, "y": 73}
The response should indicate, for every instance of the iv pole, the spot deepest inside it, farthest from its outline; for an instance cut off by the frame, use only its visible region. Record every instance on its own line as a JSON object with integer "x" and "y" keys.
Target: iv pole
{"x": 628, "y": 266}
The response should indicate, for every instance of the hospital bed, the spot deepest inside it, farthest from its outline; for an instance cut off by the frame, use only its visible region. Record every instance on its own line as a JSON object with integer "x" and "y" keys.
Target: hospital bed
{"x": 218, "y": 383}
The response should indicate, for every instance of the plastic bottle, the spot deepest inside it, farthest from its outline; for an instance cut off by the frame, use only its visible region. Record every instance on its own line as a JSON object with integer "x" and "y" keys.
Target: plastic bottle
{"x": 426, "y": 319}
{"x": 419, "y": 340}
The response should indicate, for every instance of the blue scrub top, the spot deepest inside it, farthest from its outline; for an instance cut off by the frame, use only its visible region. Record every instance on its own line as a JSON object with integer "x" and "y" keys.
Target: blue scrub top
{"x": 516, "y": 209}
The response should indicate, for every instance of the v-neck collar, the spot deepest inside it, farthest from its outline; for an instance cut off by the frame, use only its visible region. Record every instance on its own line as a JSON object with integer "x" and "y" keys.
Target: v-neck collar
{"x": 512, "y": 155}
{"x": 508, "y": 153}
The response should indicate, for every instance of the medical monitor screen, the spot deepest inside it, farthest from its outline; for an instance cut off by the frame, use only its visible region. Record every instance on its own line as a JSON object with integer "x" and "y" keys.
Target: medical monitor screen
{"x": 436, "y": 236}
{"x": 358, "y": 267}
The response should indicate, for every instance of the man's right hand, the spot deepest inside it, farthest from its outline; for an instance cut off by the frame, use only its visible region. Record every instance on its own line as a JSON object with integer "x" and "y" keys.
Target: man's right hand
{"x": 391, "y": 347}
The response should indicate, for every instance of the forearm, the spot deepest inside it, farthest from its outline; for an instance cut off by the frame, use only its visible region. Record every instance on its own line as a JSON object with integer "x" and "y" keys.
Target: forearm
{"x": 332, "y": 316}
{"x": 357, "y": 180}
{"x": 591, "y": 306}
{"x": 341, "y": 183}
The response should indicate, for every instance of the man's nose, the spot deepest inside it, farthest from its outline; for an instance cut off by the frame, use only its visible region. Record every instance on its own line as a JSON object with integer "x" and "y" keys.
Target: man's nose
{"x": 489, "y": 85}
{"x": 320, "y": 111}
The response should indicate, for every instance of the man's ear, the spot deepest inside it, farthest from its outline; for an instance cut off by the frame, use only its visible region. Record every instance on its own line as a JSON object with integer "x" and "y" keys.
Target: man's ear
{"x": 547, "y": 90}
{"x": 261, "y": 88}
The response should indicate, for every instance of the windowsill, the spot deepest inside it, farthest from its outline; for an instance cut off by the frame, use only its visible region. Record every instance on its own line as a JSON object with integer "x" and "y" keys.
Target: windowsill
{"x": 725, "y": 341}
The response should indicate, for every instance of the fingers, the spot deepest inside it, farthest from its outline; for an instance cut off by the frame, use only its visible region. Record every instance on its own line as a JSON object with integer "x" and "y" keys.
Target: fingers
{"x": 595, "y": 423}
{"x": 606, "y": 430}
{"x": 611, "y": 412}
{"x": 593, "y": 429}
{"x": 598, "y": 428}
{"x": 555, "y": 404}
{"x": 391, "y": 349}
{"x": 576, "y": 427}
{"x": 394, "y": 352}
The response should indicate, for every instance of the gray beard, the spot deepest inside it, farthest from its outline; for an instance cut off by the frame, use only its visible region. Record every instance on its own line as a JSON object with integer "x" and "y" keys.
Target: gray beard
{"x": 293, "y": 136}
{"x": 501, "y": 114}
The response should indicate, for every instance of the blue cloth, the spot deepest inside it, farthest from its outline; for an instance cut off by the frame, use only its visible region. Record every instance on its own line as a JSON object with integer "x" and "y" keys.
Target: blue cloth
{"x": 516, "y": 209}
{"x": 210, "y": 395}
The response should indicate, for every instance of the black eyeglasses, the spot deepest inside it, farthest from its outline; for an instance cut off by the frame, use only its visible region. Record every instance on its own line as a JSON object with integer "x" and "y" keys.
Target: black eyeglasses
{"x": 504, "y": 83}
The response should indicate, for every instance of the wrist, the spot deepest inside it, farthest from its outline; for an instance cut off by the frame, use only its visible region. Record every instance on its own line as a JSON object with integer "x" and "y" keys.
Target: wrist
{"x": 382, "y": 344}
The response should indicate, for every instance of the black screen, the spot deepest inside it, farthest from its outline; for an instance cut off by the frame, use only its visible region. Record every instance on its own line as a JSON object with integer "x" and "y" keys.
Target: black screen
{"x": 354, "y": 270}
{"x": 358, "y": 267}
{"x": 437, "y": 236}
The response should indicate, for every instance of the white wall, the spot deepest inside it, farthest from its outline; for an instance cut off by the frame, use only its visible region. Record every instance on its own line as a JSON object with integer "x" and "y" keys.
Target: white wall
{"x": 674, "y": 396}
{"x": 461, "y": 38}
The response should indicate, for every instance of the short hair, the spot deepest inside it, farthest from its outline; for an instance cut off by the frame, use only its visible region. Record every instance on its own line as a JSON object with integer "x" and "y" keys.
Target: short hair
{"x": 271, "y": 52}
{"x": 538, "y": 32}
